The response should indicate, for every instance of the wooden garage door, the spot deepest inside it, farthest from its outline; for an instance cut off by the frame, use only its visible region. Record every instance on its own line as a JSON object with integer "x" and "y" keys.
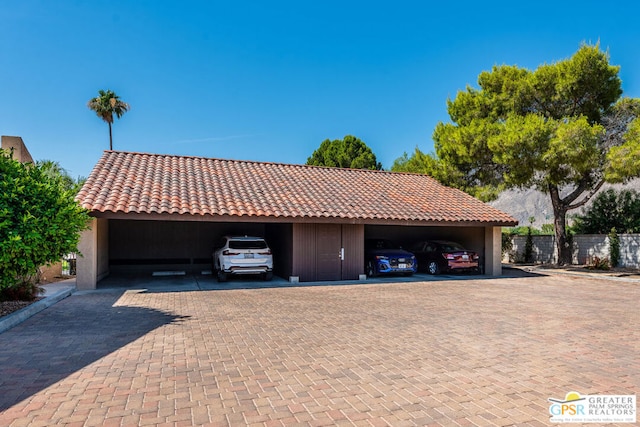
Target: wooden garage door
{"x": 317, "y": 250}
{"x": 329, "y": 244}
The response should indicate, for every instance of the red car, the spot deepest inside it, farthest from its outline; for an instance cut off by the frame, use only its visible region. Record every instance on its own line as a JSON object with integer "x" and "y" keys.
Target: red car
{"x": 438, "y": 256}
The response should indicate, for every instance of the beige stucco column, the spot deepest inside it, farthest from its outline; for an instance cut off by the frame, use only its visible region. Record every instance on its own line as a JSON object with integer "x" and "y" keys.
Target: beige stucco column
{"x": 493, "y": 251}
{"x": 16, "y": 145}
{"x": 93, "y": 261}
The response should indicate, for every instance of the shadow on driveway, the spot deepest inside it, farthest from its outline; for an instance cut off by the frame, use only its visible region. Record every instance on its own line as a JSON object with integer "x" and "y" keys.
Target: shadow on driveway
{"x": 73, "y": 334}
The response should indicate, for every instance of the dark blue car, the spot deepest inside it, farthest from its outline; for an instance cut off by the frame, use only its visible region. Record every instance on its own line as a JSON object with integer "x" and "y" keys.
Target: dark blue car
{"x": 383, "y": 257}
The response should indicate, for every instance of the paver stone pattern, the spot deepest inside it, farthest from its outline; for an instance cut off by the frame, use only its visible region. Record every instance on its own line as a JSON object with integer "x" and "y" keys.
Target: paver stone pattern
{"x": 435, "y": 353}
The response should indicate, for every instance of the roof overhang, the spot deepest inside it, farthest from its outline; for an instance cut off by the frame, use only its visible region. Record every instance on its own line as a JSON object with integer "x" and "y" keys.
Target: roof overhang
{"x": 290, "y": 220}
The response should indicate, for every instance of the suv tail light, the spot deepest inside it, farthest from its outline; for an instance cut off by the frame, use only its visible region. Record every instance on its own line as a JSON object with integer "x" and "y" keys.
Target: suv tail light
{"x": 449, "y": 256}
{"x": 228, "y": 252}
{"x": 265, "y": 252}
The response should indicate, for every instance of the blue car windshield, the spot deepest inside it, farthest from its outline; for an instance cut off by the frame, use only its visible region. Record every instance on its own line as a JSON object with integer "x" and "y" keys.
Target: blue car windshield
{"x": 382, "y": 244}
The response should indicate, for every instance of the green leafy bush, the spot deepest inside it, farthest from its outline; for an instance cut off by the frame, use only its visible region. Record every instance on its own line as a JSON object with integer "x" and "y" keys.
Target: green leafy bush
{"x": 39, "y": 223}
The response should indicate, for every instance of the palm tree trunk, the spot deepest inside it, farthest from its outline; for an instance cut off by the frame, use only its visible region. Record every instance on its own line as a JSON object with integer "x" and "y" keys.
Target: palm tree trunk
{"x": 110, "y": 137}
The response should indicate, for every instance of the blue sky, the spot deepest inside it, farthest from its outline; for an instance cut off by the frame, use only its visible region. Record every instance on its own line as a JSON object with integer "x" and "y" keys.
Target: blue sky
{"x": 270, "y": 80}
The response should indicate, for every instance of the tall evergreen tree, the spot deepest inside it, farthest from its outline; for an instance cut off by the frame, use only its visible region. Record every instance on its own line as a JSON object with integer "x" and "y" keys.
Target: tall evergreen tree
{"x": 349, "y": 152}
{"x": 563, "y": 129}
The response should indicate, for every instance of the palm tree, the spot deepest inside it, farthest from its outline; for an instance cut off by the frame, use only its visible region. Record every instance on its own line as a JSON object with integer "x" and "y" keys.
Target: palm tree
{"x": 54, "y": 171}
{"x": 106, "y": 105}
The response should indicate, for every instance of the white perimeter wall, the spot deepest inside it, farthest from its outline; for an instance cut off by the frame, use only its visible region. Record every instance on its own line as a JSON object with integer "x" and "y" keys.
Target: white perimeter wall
{"x": 586, "y": 248}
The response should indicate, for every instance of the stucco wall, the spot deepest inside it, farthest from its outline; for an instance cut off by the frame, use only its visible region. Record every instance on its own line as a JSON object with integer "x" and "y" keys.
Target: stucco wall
{"x": 16, "y": 145}
{"x": 630, "y": 250}
{"x": 102, "y": 244}
{"x": 544, "y": 250}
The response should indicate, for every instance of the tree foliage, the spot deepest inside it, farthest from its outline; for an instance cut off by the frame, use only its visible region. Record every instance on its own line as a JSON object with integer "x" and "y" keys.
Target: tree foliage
{"x": 349, "y": 152}
{"x": 562, "y": 129}
{"x": 39, "y": 223}
{"x": 611, "y": 209}
{"x": 54, "y": 170}
{"x": 105, "y": 105}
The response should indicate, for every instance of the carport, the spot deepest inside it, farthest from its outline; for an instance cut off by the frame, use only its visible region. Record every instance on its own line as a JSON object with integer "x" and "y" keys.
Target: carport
{"x": 156, "y": 212}
{"x": 470, "y": 236}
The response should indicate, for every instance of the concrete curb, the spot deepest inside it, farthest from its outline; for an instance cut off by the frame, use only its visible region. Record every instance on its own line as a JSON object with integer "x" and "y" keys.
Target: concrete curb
{"x": 53, "y": 293}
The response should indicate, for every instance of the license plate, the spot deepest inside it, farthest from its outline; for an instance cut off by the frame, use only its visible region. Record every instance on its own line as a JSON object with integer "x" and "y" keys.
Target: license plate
{"x": 465, "y": 257}
{"x": 402, "y": 265}
{"x": 248, "y": 255}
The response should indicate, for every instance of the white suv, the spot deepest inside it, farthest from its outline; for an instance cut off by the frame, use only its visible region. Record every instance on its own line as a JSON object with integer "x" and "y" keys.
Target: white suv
{"x": 242, "y": 255}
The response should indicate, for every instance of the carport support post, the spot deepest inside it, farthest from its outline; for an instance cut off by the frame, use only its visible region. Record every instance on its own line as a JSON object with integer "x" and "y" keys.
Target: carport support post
{"x": 493, "y": 251}
{"x": 87, "y": 262}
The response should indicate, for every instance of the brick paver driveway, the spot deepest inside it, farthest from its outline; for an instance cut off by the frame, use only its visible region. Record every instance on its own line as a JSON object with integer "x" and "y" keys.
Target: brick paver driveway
{"x": 445, "y": 352}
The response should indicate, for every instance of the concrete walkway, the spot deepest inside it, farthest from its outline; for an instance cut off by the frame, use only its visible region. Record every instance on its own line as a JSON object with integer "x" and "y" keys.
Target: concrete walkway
{"x": 53, "y": 292}
{"x": 445, "y": 351}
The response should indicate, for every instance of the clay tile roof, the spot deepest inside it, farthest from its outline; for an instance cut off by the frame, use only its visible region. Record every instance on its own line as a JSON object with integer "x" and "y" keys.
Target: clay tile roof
{"x": 123, "y": 182}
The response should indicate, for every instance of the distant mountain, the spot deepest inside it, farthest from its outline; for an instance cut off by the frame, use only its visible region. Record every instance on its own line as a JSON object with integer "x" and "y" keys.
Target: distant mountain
{"x": 524, "y": 204}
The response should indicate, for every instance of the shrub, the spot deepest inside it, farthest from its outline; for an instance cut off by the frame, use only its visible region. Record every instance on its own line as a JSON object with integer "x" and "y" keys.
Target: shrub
{"x": 548, "y": 229}
{"x": 611, "y": 209}
{"x": 599, "y": 264}
{"x": 40, "y": 221}
{"x": 27, "y": 290}
{"x": 528, "y": 247}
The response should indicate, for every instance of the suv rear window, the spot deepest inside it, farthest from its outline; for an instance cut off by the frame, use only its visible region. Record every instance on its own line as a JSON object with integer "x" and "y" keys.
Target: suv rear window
{"x": 247, "y": 244}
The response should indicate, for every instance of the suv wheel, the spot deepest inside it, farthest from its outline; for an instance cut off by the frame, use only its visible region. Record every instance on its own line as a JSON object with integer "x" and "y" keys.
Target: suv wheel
{"x": 222, "y": 276}
{"x": 371, "y": 269}
{"x": 267, "y": 276}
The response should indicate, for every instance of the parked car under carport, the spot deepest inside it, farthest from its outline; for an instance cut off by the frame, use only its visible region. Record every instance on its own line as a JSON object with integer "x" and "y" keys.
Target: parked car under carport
{"x": 382, "y": 256}
{"x": 242, "y": 255}
{"x": 438, "y": 256}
